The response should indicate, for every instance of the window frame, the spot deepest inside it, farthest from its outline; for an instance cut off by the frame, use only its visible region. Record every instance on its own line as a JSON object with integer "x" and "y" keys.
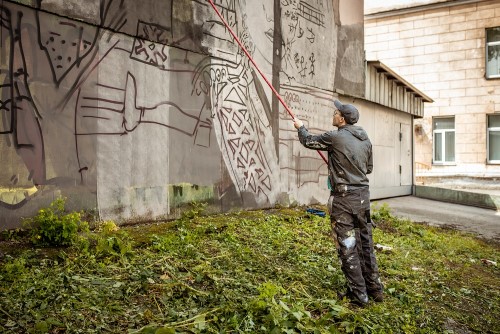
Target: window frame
{"x": 443, "y": 142}
{"x": 486, "y": 74}
{"x": 488, "y": 129}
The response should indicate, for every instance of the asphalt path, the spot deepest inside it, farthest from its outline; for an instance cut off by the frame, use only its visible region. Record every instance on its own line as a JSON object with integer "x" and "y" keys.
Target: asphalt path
{"x": 484, "y": 223}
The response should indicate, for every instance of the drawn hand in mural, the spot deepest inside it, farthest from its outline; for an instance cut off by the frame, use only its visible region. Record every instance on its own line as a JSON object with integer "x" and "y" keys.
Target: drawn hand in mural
{"x": 134, "y": 114}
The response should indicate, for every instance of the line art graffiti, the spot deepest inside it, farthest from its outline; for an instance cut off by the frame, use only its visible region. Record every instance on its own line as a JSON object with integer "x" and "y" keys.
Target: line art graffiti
{"x": 307, "y": 168}
{"x": 213, "y": 27}
{"x": 133, "y": 114}
{"x": 150, "y": 45}
{"x": 304, "y": 21}
{"x": 63, "y": 45}
{"x": 18, "y": 109}
{"x": 242, "y": 124}
{"x": 311, "y": 13}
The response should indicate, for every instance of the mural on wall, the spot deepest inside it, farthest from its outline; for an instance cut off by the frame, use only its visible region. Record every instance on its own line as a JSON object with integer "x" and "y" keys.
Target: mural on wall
{"x": 119, "y": 111}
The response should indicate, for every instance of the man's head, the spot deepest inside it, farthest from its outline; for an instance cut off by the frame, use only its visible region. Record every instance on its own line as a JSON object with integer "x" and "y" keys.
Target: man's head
{"x": 344, "y": 114}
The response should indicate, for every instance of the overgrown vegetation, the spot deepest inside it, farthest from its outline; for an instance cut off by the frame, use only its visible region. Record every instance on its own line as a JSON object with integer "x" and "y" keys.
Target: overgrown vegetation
{"x": 53, "y": 227}
{"x": 272, "y": 271}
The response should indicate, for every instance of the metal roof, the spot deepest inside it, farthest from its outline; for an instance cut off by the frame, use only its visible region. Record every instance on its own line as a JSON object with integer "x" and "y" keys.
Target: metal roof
{"x": 386, "y": 87}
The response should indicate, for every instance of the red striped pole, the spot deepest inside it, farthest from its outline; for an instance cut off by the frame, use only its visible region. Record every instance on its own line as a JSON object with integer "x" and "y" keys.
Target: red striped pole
{"x": 258, "y": 69}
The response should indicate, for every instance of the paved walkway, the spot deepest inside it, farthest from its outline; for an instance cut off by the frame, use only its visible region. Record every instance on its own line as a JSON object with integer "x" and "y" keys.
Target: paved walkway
{"x": 484, "y": 223}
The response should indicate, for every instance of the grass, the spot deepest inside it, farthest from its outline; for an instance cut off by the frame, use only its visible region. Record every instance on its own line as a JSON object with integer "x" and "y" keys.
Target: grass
{"x": 268, "y": 271}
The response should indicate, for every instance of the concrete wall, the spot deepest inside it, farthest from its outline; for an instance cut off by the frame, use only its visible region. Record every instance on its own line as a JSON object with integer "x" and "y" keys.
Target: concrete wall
{"x": 442, "y": 52}
{"x": 132, "y": 109}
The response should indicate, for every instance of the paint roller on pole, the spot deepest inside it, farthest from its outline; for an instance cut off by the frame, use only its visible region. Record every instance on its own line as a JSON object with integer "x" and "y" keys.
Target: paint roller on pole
{"x": 258, "y": 69}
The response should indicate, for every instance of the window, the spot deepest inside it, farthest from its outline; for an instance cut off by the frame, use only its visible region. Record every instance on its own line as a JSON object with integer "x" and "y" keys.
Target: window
{"x": 493, "y": 138}
{"x": 444, "y": 139}
{"x": 493, "y": 53}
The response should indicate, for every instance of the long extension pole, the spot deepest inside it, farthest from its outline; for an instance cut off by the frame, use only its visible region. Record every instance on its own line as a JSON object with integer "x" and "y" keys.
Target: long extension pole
{"x": 258, "y": 69}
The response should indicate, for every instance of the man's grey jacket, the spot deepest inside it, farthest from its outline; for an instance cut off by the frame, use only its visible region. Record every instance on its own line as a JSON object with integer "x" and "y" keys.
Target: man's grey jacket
{"x": 349, "y": 153}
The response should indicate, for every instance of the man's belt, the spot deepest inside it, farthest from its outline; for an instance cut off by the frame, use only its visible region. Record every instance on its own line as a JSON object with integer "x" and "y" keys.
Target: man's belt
{"x": 343, "y": 188}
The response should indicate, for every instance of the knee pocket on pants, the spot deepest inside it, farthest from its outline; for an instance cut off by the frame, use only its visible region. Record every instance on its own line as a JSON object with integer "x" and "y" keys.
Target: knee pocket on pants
{"x": 347, "y": 239}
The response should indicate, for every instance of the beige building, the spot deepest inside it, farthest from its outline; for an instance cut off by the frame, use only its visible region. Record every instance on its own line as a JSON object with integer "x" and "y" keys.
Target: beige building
{"x": 451, "y": 51}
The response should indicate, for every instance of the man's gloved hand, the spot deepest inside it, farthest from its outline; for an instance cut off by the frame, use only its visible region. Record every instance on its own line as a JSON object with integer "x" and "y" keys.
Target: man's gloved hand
{"x": 297, "y": 123}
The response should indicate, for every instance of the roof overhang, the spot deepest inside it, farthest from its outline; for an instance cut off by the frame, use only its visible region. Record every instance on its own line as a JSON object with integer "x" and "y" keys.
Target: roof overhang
{"x": 393, "y": 76}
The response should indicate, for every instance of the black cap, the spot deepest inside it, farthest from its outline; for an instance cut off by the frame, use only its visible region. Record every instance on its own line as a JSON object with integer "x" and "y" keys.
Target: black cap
{"x": 348, "y": 111}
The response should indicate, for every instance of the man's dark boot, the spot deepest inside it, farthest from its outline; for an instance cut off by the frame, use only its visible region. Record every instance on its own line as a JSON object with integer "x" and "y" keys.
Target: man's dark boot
{"x": 377, "y": 296}
{"x": 353, "y": 299}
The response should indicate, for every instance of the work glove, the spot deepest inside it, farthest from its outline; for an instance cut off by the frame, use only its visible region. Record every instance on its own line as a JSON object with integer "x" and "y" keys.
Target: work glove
{"x": 297, "y": 123}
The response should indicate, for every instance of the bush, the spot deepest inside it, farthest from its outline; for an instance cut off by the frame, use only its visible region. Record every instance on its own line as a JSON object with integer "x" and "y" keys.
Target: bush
{"x": 52, "y": 227}
{"x": 381, "y": 214}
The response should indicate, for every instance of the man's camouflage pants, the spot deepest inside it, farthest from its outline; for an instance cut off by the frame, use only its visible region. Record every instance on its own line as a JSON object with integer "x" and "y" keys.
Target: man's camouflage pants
{"x": 352, "y": 233}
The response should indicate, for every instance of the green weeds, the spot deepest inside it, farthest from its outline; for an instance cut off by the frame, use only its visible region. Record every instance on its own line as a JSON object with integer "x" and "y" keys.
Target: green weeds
{"x": 53, "y": 227}
{"x": 273, "y": 271}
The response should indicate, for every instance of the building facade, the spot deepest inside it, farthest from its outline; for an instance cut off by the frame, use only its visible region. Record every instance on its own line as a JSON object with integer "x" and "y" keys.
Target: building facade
{"x": 451, "y": 51}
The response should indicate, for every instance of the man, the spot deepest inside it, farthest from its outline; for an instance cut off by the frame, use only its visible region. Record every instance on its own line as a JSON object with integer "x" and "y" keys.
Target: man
{"x": 349, "y": 160}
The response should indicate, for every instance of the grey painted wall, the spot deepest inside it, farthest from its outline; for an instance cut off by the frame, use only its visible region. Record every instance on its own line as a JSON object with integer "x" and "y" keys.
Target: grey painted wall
{"x": 135, "y": 108}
